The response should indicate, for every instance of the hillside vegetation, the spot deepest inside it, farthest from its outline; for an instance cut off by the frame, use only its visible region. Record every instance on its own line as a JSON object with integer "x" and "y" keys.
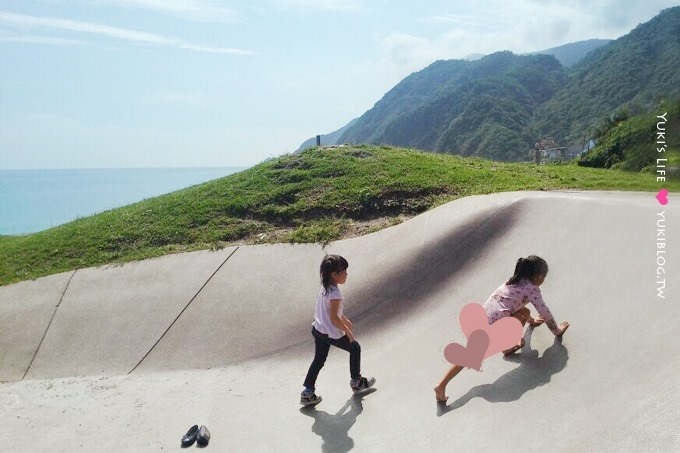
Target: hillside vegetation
{"x": 468, "y": 108}
{"x": 498, "y": 107}
{"x": 319, "y": 195}
{"x": 629, "y": 142}
{"x": 632, "y": 73}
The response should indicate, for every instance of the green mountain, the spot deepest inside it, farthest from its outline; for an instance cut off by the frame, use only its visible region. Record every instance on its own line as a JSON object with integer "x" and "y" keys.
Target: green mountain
{"x": 644, "y": 142}
{"x": 481, "y": 107}
{"x": 499, "y": 106}
{"x": 567, "y": 55}
{"x": 633, "y": 73}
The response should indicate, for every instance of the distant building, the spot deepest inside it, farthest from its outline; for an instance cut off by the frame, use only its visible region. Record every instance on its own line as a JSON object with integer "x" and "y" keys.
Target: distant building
{"x": 554, "y": 154}
{"x": 550, "y": 152}
{"x": 560, "y": 153}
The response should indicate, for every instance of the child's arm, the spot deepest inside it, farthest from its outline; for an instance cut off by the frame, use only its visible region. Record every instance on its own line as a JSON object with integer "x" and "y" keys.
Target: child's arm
{"x": 347, "y": 322}
{"x": 544, "y": 312}
{"x": 340, "y": 321}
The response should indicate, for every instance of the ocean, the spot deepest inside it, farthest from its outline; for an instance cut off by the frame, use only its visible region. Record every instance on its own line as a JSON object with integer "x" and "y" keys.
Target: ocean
{"x": 35, "y": 200}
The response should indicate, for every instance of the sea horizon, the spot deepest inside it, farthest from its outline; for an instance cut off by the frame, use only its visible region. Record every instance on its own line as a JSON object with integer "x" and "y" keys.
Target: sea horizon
{"x": 33, "y": 200}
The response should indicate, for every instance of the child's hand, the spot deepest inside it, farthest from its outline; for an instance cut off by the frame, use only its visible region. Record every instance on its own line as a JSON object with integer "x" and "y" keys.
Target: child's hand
{"x": 563, "y": 328}
{"x": 536, "y": 321}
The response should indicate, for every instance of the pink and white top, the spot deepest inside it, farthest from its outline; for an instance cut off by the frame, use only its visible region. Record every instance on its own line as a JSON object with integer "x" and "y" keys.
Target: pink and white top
{"x": 507, "y": 299}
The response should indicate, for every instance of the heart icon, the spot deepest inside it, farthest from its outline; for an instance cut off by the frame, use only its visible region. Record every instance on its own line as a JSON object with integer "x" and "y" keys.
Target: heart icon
{"x": 503, "y": 334}
{"x": 662, "y": 196}
{"x": 472, "y": 355}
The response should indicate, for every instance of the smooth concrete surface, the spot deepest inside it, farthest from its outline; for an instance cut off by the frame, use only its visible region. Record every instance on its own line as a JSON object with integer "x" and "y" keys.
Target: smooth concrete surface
{"x": 26, "y": 310}
{"x": 111, "y": 316}
{"x": 233, "y": 352}
{"x": 256, "y": 305}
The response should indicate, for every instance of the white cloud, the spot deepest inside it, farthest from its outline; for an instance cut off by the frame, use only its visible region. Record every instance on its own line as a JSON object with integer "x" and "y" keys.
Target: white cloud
{"x": 321, "y": 5}
{"x": 407, "y": 53}
{"x": 199, "y": 10}
{"x": 522, "y": 26}
{"x": 483, "y": 21}
{"x": 37, "y": 39}
{"x": 26, "y": 22}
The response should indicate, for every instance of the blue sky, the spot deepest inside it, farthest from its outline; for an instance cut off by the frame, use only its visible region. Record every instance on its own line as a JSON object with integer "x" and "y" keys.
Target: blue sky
{"x": 203, "y": 83}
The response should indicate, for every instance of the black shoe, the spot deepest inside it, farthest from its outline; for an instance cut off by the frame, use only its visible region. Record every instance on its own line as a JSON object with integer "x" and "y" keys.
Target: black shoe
{"x": 203, "y": 436}
{"x": 190, "y": 437}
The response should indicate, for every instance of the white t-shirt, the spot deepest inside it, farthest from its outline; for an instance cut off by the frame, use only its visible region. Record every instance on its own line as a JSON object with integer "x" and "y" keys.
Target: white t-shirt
{"x": 322, "y": 318}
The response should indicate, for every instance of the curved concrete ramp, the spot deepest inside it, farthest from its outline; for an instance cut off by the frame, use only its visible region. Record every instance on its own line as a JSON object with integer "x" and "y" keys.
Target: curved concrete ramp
{"x": 26, "y": 311}
{"x": 613, "y": 384}
{"x": 211, "y": 309}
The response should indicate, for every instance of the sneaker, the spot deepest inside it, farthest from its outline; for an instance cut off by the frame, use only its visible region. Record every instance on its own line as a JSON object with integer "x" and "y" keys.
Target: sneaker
{"x": 362, "y": 385}
{"x": 309, "y": 399}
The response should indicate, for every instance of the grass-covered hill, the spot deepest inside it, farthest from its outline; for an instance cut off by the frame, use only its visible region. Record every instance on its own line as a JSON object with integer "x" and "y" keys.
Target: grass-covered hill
{"x": 627, "y": 142}
{"x": 318, "y": 195}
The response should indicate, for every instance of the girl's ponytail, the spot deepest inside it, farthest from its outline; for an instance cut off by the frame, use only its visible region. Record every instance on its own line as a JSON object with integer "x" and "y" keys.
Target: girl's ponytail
{"x": 517, "y": 276}
{"x": 528, "y": 268}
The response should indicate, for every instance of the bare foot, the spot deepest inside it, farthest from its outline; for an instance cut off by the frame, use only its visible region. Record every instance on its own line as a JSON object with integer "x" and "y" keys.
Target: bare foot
{"x": 533, "y": 322}
{"x": 515, "y": 348}
{"x": 439, "y": 394}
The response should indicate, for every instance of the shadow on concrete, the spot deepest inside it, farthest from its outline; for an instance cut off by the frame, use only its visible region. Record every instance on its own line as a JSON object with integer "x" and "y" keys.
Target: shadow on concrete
{"x": 533, "y": 372}
{"x": 405, "y": 286}
{"x": 334, "y": 428}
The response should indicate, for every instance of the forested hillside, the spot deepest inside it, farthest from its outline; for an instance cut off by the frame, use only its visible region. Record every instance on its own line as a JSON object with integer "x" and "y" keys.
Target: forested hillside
{"x": 633, "y": 74}
{"x": 633, "y": 143}
{"x": 499, "y": 106}
{"x": 481, "y": 107}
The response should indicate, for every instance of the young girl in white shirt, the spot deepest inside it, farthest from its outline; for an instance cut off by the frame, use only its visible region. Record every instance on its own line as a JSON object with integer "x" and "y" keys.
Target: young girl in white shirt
{"x": 510, "y": 299}
{"x": 332, "y": 328}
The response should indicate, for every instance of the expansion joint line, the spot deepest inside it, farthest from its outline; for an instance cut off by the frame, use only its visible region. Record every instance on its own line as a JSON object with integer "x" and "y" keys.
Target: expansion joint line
{"x": 49, "y": 324}
{"x": 183, "y": 310}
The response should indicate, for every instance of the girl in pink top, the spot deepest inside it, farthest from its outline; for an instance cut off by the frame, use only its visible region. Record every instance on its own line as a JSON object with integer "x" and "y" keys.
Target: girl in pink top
{"x": 510, "y": 299}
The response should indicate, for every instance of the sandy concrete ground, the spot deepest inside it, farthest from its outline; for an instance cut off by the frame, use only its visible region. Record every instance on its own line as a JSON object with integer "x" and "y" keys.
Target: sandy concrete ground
{"x": 127, "y": 358}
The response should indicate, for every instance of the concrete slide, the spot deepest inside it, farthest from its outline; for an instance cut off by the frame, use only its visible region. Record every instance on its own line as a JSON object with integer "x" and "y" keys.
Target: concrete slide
{"x": 127, "y": 358}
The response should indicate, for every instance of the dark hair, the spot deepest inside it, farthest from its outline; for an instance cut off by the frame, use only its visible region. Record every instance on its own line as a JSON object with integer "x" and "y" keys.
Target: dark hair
{"x": 330, "y": 264}
{"x": 530, "y": 267}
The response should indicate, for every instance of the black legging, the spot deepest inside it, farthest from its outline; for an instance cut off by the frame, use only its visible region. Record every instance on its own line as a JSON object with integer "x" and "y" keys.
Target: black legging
{"x": 322, "y": 344}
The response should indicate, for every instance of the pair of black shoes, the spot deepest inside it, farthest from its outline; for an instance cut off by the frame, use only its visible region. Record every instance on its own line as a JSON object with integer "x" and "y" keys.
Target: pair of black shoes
{"x": 197, "y": 434}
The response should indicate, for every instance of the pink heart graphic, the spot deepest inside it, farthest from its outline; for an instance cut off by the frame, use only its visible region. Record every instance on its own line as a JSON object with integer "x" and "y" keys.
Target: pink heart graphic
{"x": 662, "y": 196}
{"x": 503, "y": 334}
{"x": 470, "y": 356}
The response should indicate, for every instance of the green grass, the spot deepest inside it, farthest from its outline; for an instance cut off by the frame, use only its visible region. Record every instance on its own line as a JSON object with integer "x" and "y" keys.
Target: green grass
{"x": 629, "y": 143}
{"x": 317, "y": 196}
